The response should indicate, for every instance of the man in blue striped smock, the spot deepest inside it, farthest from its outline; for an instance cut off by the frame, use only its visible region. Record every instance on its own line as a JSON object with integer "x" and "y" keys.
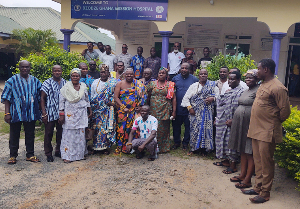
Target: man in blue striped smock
{"x": 21, "y": 96}
{"x": 50, "y": 111}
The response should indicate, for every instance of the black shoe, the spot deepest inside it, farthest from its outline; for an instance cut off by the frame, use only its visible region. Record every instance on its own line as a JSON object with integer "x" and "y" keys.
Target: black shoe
{"x": 184, "y": 147}
{"x": 175, "y": 146}
{"x": 249, "y": 192}
{"x": 50, "y": 158}
{"x": 57, "y": 154}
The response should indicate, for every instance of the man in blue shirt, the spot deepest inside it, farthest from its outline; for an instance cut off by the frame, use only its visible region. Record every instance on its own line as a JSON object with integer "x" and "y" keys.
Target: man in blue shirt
{"x": 137, "y": 63}
{"x": 21, "y": 96}
{"x": 182, "y": 83}
{"x": 50, "y": 111}
{"x": 85, "y": 77}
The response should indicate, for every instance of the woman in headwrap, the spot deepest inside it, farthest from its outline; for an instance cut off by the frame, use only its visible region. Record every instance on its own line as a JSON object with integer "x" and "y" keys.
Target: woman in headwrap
{"x": 240, "y": 124}
{"x": 73, "y": 104}
{"x": 162, "y": 100}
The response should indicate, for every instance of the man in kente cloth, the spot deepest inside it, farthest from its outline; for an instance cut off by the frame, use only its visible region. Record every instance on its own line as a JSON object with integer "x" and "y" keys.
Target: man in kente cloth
{"x": 129, "y": 93}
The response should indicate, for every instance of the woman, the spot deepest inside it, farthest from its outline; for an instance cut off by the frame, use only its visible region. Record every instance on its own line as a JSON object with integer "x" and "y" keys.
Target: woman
{"x": 162, "y": 102}
{"x": 199, "y": 100}
{"x": 73, "y": 104}
{"x": 238, "y": 137}
{"x": 102, "y": 105}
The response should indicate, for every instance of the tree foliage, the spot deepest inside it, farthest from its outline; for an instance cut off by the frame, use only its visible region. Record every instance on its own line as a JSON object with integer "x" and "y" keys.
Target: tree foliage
{"x": 42, "y": 63}
{"x": 244, "y": 63}
{"x": 32, "y": 41}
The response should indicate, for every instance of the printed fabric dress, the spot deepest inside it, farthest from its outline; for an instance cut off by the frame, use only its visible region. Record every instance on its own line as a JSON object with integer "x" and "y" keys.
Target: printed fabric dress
{"x": 240, "y": 123}
{"x": 103, "y": 116}
{"x": 131, "y": 98}
{"x": 202, "y": 122}
{"x": 73, "y": 143}
{"x": 161, "y": 108}
{"x": 226, "y": 106}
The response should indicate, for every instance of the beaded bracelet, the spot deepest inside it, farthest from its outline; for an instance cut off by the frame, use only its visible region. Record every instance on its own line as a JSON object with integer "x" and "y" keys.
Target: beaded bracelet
{"x": 128, "y": 144}
{"x": 189, "y": 107}
{"x": 6, "y": 114}
{"x": 44, "y": 116}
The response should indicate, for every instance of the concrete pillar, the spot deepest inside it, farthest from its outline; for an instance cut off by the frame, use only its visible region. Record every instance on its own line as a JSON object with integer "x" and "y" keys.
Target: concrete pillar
{"x": 67, "y": 38}
{"x": 165, "y": 47}
{"x": 277, "y": 36}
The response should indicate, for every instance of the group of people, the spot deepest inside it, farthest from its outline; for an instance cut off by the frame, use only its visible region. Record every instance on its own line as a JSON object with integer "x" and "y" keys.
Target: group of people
{"x": 241, "y": 121}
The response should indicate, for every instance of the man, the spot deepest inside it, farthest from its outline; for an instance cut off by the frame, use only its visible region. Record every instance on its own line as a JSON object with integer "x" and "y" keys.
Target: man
{"x": 271, "y": 107}
{"x": 50, "y": 111}
{"x": 174, "y": 61}
{"x": 129, "y": 93}
{"x": 137, "y": 63}
{"x": 100, "y": 50}
{"x": 147, "y": 77}
{"x": 189, "y": 59}
{"x": 119, "y": 75}
{"x": 108, "y": 58}
{"x": 226, "y": 106}
{"x": 204, "y": 61}
{"x": 93, "y": 72}
{"x": 147, "y": 125}
{"x": 223, "y": 74}
{"x": 226, "y": 87}
{"x": 90, "y": 54}
{"x": 21, "y": 96}
{"x": 85, "y": 78}
{"x": 153, "y": 62}
{"x": 125, "y": 57}
{"x": 182, "y": 83}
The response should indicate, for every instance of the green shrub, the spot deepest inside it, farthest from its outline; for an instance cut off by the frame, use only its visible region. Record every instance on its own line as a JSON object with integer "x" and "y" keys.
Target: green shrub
{"x": 287, "y": 153}
{"x": 244, "y": 63}
{"x": 42, "y": 63}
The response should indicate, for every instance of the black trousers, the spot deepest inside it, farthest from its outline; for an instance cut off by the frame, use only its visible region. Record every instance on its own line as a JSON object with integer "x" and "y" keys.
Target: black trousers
{"x": 14, "y": 138}
{"x": 49, "y": 128}
{"x": 181, "y": 119}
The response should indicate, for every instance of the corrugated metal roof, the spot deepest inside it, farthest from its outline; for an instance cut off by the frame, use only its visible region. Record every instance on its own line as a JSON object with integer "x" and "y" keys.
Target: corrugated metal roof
{"x": 43, "y": 18}
{"x": 7, "y": 25}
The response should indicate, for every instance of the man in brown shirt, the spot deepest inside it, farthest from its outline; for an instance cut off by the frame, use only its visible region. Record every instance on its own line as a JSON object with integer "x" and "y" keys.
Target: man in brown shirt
{"x": 271, "y": 107}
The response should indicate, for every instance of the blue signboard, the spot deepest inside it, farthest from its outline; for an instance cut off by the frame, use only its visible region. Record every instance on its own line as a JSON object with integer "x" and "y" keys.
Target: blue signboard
{"x": 155, "y": 10}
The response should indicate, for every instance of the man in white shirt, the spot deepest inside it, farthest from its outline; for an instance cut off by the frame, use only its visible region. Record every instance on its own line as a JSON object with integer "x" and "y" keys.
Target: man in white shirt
{"x": 226, "y": 85}
{"x": 174, "y": 61}
{"x": 108, "y": 58}
{"x": 100, "y": 50}
{"x": 147, "y": 125}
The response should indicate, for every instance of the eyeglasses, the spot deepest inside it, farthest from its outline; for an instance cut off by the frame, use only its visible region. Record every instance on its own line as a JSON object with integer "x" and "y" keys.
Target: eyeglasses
{"x": 124, "y": 47}
{"x": 92, "y": 64}
{"x": 120, "y": 65}
{"x": 176, "y": 46}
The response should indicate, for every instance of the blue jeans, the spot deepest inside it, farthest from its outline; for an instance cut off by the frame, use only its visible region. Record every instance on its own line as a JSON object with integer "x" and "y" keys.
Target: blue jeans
{"x": 180, "y": 119}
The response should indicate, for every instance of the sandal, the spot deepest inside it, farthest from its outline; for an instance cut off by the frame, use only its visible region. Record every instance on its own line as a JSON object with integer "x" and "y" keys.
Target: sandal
{"x": 151, "y": 159}
{"x": 222, "y": 163}
{"x": 106, "y": 152}
{"x": 242, "y": 185}
{"x": 229, "y": 171}
{"x": 12, "y": 161}
{"x": 235, "y": 179}
{"x": 258, "y": 199}
{"x": 33, "y": 159}
{"x": 139, "y": 155}
{"x": 190, "y": 153}
{"x": 67, "y": 161}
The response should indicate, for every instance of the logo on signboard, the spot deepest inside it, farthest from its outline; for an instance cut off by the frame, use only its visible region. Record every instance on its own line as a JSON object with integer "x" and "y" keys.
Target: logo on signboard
{"x": 159, "y": 9}
{"x": 77, "y": 8}
{"x": 158, "y": 16}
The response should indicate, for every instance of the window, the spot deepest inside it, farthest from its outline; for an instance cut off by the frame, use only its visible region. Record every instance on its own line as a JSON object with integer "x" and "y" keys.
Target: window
{"x": 237, "y": 49}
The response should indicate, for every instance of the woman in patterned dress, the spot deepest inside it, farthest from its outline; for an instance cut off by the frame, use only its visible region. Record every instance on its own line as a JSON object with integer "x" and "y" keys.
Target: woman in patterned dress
{"x": 73, "y": 105}
{"x": 162, "y": 100}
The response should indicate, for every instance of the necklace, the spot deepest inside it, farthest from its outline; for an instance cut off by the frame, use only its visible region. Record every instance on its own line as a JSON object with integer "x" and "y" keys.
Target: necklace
{"x": 98, "y": 85}
{"x": 161, "y": 87}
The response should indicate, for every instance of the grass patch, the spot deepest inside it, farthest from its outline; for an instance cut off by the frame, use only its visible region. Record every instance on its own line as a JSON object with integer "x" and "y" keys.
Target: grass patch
{"x": 4, "y": 127}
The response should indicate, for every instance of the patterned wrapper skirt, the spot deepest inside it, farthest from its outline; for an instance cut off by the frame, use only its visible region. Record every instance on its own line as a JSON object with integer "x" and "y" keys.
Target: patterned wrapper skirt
{"x": 163, "y": 136}
{"x": 73, "y": 144}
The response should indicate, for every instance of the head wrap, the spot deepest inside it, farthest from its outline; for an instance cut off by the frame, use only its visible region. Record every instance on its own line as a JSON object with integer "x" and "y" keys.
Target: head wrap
{"x": 75, "y": 70}
{"x": 163, "y": 68}
{"x": 104, "y": 67}
{"x": 253, "y": 72}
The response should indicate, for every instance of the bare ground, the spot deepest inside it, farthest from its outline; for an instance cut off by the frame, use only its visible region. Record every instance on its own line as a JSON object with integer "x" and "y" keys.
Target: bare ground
{"x": 125, "y": 182}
